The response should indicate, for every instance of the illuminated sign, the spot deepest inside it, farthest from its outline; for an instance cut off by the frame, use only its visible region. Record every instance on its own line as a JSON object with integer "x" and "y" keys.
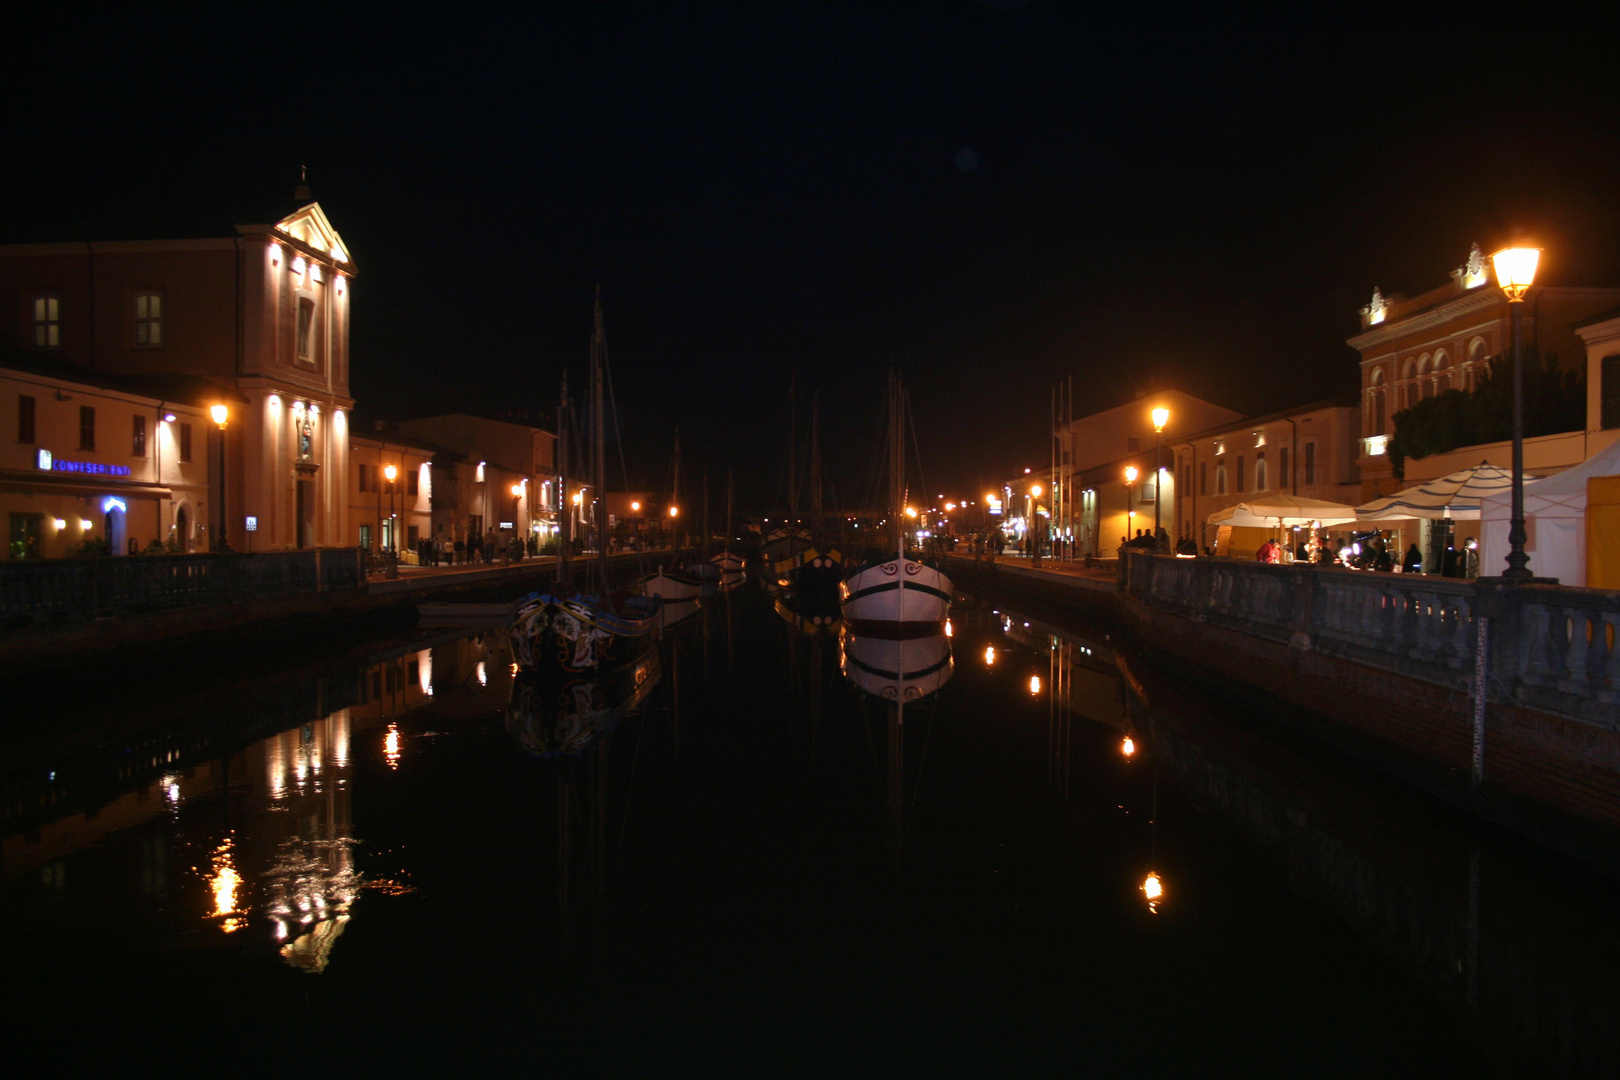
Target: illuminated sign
{"x": 506, "y": 524}
{"x": 111, "y": 503}
{"x": 88, "y": 468}
{"x": 252, "y": 524}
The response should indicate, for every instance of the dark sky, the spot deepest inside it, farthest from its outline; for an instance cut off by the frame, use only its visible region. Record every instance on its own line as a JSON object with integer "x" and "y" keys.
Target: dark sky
{"x": 992, "y": 196}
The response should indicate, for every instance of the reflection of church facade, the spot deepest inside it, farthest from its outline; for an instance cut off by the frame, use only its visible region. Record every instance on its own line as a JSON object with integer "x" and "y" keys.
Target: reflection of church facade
{"x": 261, "y": 316}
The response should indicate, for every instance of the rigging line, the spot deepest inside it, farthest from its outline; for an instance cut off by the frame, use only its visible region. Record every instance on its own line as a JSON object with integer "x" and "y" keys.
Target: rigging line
{"x": 624, "y": 469}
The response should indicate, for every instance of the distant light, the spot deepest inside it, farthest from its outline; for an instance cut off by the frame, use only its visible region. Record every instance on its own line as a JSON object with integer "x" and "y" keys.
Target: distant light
{"x": 1153, "y": 889}
{"x": 517, "y": 491}
{"x": 949, "y": 632}
{"x": 1035, "y": 685}
{"x": 60, "y": 524}
{"x": 390, "y": 472}
{"x": 168, "y": 418}
{"x": 1131, "y": 474}
{"x": 635, "y": 507}
{"x": 220, "y": 414}
{"x": 1128, "y": 747}
{"x": 989, "y": 656}
{"x": 1035, "y": 490}
{"x": 674, "y": 511}
{"x": 1026, "y": 472}
{"x": 1161, "y": 417}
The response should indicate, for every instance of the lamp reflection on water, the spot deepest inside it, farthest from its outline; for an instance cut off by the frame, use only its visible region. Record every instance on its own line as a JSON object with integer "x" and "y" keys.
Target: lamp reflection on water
{"x": 1035, "y": 685}
{"x": 1153, "y": 889}
{"x": 989, "y": 656}
{"x": 391, "y": 746}
{"x": 224, "y": 881}
{"x": 1128, "y": 747}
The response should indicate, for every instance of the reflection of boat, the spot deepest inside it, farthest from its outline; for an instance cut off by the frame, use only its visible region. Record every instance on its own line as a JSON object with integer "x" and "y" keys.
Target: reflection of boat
{"x": 897, "y": 595}
{"x": 729, "y": 562}
{"x": 678, "y": 611}
{"x": 814, "y": 611}
{"x": 553, "y": 717}
{"x": 673, "y": 584}
{"x": 896, "y": 669}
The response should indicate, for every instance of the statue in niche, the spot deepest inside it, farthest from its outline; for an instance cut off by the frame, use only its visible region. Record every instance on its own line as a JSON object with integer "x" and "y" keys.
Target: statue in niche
{"x": 306, "y": 442}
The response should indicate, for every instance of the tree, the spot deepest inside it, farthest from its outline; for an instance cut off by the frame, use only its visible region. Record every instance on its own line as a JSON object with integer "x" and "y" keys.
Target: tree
{"x": 1554, "y": 401}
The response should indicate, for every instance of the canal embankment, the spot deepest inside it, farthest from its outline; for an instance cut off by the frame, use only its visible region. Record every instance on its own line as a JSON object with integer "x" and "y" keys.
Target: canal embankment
{"x": 1384, "y": 668}
{"x": 90, "y": 614}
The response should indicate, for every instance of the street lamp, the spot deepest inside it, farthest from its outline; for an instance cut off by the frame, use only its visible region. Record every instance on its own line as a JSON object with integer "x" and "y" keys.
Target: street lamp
{"x": 1515, "y": 271}
{"x": 221, "y": 415}
{"x": 1130, "y": 511}
{"x": 1161, "y": 417}
{"x": 390, "y": 473}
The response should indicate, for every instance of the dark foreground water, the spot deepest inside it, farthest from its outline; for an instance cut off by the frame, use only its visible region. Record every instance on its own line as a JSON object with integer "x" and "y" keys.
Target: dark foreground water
{"x": 741, "y": 859}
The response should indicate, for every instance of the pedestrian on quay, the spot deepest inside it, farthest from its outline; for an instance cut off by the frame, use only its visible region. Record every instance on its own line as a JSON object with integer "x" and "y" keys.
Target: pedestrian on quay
{"x": 1325, "y": 555}
{"x": 1413, "y": 563}
{"x": 460, "y": 550}
{"x": 489, "y": 545}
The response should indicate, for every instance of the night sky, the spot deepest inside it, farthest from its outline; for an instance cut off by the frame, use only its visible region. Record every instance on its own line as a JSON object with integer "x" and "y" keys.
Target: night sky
{"x": 991, "y": 196}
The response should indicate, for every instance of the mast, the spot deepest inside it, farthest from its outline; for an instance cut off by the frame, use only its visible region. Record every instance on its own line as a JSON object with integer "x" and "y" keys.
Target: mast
{"x": 815, "y": 466}
{"x": 703, "y": 546}
{"x": 599, "y": 442}
{"x": 675, "y": 494}
{"x": 565, "y": 509}
{"x": 793, "y": 449}
{"x": 727, "y": 546}
{"x": 897, "y": 461}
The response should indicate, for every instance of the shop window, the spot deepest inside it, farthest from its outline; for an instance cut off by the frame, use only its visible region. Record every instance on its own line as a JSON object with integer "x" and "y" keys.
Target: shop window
{"x": 87, "y": 427}
{"x": 149, "y": 319}
{"x": 47, "y": 322}
{"x": 25, "y": 418}
{"x": 137, "y": 440}
{"x": 1611, "y": 392}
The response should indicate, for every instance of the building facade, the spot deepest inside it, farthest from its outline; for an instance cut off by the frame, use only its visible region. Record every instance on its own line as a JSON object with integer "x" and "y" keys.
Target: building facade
{"x": 263, "y": 313}
{"x": 1416, "y": 348}
{"x": 91, "y": 465}
{"x": 387, "y": 513}
{"x": 493, "y": 474}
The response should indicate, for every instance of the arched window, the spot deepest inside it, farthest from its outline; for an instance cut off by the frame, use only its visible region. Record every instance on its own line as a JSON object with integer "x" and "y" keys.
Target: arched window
{"x": 1260, "y": 471}
{"x": 1220, "y": 477}
{"x": 1476, "y": 362}
{"x": 1403, "y": 389}
{"x": 1373, "y": 413}
{"x": 1442, "y": 373}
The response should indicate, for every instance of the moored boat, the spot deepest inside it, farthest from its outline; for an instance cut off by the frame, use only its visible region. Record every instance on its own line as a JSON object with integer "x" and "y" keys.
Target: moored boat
{"x": 573, "y": 634}
{"x": 672, "y": 585}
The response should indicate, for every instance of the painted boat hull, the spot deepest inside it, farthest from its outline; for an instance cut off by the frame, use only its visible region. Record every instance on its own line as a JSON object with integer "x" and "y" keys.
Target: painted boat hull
{"x": 672, "y": 585}
{"x": 871, "y": 597}
{"x": 579, "y": 634}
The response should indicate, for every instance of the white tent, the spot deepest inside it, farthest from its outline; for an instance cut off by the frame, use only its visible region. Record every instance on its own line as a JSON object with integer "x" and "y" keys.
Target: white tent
{"x": 1555, "y": 522}
{"x": 1456, "y": 496}
{"x": 1272, "y": 511}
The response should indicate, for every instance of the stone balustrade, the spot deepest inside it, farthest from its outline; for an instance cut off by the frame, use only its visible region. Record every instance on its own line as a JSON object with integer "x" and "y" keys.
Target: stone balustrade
{"x": 1549, "y": 647}
{"x": 70, "y": 590}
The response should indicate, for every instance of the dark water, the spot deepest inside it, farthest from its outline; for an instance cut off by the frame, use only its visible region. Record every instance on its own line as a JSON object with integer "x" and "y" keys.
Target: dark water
{"x": 738, "y": 862}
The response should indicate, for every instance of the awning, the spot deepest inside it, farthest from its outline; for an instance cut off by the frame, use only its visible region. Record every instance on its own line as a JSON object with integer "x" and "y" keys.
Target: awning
{"x": 1280, "y": 510}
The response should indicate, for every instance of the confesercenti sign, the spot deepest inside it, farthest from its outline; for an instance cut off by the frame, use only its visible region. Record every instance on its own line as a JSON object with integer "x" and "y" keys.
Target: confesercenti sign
{"x": 88, "y": 468}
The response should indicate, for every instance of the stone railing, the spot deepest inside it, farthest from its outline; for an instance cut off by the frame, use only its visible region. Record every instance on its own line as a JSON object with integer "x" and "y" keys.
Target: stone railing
{"x": 70, "y": 590}
{"x": 1549, "y": 647}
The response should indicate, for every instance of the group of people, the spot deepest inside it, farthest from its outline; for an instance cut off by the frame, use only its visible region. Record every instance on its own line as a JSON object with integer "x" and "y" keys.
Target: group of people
{"x": 475, "y": 549}
{"x": 1373, "y": 555}
{"x": 1147, "y": 541}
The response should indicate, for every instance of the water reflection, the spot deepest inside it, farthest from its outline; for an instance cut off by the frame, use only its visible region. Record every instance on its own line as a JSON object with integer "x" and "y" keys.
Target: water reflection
{"x": 552, "y": 717}
{"x": 896, "y": 669}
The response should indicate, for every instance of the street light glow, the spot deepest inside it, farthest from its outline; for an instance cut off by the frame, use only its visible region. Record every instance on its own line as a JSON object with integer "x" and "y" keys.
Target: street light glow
{"x": 1035, "y": 490}
{"x": 220, "y": 414}
{"x": 390, "y": 472}
{"x": 1516, "y": 269}
{"x": 1130, "y": 475}
{"x": 1161, "y": 417}
{"x": 635, "y": 507}
{"x": 674, "y": 511}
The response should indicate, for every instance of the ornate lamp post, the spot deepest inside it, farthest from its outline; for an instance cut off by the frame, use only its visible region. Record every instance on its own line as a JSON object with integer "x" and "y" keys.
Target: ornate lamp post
{"x": 221, "y": 415}
{"x": 1161, "y": 417}
{"x": 1515, "y": 271}
{"x": 1130, "y": 511}
{"x": 393, "y": 525}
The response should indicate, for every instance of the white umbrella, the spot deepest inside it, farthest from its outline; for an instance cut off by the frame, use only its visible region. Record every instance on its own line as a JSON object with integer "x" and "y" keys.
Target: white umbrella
{"x": 1456, "y": 496}
{"x": 1275, "y": 510}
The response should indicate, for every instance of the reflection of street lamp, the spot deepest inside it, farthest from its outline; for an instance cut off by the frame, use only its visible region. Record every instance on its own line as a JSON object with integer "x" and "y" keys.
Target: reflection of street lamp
{"x": 1161, "y": 416}
{"x": 1515, "y": 271}
{"x": 393, "y": 524}
{"x": 1130, "y": 511}
{"x": 221, "y": 415}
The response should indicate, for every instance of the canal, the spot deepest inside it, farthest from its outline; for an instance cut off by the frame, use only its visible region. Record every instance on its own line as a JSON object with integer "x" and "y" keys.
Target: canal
{"x": 751, "y": 854}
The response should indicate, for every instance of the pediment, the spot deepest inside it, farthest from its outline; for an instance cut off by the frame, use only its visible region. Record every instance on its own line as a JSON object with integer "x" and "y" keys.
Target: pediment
{"x": 309, "y": 225}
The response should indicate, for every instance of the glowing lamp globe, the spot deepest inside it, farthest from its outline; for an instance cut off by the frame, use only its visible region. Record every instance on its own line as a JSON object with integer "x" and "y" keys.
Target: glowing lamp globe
{"x": 220, "y": 414}
{"x": 1130, "y": 474}
{"x": 1516, "y": 269}
{"x": 390, "y": 472}
{"x": 1161, "y": 417}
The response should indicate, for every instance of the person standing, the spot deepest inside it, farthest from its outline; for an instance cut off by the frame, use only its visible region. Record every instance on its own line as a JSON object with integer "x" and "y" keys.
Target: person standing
{"x": 1413, "y": 564}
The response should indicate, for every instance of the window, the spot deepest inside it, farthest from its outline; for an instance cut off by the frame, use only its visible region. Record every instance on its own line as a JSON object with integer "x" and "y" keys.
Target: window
{"x": 185, "y": 442}
{"x": 1282, "y": 472}
{"x": 1220, "y": 478}
{"x": 1310, "y": 463}
{"x": 25, "y": 418}
{"x": 137, "y": 442}
{"x": 1240, "y": 474}
{"x": 1133, "y": 445}
{"x": 412, "y": 479}
{"x": 149, "y": 319}
{"x": 306, "y": 326}
{"x": 365, "y": 537}
{"x": 47, "y": 322}
{"x": 87, "y": 427}
{"x": 1203, "y": 478}
{"x": 1611, "y": 392}
{"x": 1260, "y": 471}
{"x": 363, "y": 469}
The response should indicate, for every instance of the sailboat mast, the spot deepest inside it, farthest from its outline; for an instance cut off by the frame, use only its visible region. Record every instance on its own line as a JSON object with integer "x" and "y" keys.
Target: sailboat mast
{"x": 793, "y": 449}
{"x": 727, "y": 546}
{"x": 599, "y": 440}
{"x": 815, "y": 465}
{"x": 703, "y": 545}
{"x": 675, "y": 493}
{"x": 565, "y": 509}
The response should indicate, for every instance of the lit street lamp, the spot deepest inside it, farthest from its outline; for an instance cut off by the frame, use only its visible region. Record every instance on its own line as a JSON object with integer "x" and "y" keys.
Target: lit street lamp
{"x": 1515, "y": 271}
{"x": 1130, "y": 511}
{"x": 1161, "y": 416}
{"x": 390, "y": 473}
{"x": 220, "y": 416}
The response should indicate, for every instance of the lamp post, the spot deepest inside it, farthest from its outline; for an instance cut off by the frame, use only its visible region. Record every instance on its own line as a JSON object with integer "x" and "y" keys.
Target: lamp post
{"x": 221, "y": 415}
{"x": 1161, "y": 416}
{"x": 393, "y": 526}
{"x": 1515, "y": 271}
{"x": 1130, "y": 511}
